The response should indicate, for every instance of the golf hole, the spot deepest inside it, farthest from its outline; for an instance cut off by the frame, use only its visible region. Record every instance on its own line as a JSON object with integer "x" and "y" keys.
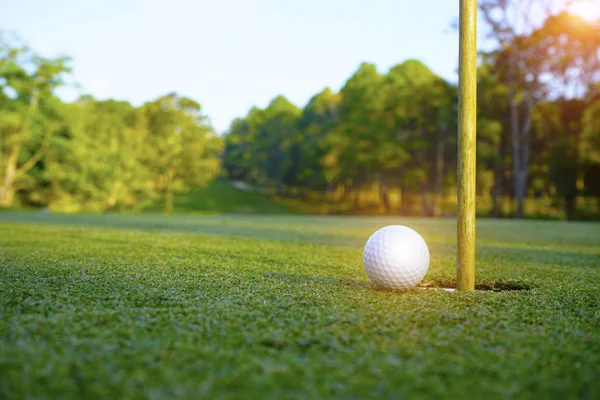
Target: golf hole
{"x": 499, "y": 286}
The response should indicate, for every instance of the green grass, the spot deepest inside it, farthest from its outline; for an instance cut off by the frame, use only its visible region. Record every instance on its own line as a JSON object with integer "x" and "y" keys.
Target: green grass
{"x": 221, "y": 197}
{"x": 147, "y": 306}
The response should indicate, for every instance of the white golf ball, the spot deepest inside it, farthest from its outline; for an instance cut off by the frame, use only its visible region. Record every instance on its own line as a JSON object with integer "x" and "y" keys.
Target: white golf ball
{"x": 396, "y": 257}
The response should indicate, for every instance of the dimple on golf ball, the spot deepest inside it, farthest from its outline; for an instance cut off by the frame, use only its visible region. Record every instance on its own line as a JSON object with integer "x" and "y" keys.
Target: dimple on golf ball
{"x": 396, "y": 257}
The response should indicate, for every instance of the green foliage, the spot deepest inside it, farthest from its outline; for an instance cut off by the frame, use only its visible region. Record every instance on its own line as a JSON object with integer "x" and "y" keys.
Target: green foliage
{"x": 95, "y": 163}
{"x": 591, "y": 133}
{"x": 92, "y": 155}
{"x": 261, "y": 148}
{"x": 181, "y": 148}
{"x": 138, "y": 306}
{"x": 354, "y": 144}
{"x": 396, "y": 132}
{"x": 590, "y": 149}
{"x": 27, "y": 112}
{"x": 316, "y": 127}
{"x": 558, "y": 131}
{"x": 378, "y": 128}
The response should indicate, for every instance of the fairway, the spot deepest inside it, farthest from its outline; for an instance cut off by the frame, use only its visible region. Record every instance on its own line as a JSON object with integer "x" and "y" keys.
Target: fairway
{"x": 149, "y": 306}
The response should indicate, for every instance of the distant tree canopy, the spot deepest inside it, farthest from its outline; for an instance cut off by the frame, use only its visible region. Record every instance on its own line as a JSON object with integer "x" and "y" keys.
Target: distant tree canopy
{"x": 93, "y": 155}
{"x": 396, "y": 131}
{"x": 384, "y": 143}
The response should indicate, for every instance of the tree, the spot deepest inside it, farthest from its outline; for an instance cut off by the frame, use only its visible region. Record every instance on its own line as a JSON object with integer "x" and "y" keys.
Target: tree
{"x": 181, "y": 147}
{"x": 353, "y": 158}
{"x": 419, "y": 119}
{"x": 570, "y": 49}
{"x": 237, "y": 161}
{"x": 590, "y": 149}
{"x": 273, "y": 141}
{"x": 317, "y": 123}
{"x": 240, "y": 157}
{"x": 530, "y": 60}
{"x": 27, "y": 102}
{"x": 95, "y": 161}
{"x": 492, "y": 123}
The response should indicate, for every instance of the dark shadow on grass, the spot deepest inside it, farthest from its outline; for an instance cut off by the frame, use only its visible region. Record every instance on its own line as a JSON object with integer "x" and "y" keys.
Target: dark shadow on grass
{"x": 494, "y": 286}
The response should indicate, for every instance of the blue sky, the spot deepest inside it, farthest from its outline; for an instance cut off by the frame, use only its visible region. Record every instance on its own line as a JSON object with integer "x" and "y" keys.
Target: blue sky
{"x": 232, "y": 54}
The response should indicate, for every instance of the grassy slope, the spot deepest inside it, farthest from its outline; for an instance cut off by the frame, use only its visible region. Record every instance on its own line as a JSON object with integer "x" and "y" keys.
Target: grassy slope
{"x": 221, "y": 197}
{"x": 109, "y": 306}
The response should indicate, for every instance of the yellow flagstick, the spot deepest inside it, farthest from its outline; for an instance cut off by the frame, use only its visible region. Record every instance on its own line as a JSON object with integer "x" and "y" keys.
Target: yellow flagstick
{"x": 466, "y": 144}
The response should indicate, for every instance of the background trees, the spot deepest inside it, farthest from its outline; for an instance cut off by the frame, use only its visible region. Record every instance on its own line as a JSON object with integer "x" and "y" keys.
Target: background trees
{"x": 93, "y": 155}
{"x": 180, "y": 147}
{"x": 384, "y": 143}
{"x": 27, "y": 112}
{"x": 555, "y": 59}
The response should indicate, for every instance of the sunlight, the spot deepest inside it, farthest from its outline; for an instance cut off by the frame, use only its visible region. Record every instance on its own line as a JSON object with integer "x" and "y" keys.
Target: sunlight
{"x": 588, "y": 10}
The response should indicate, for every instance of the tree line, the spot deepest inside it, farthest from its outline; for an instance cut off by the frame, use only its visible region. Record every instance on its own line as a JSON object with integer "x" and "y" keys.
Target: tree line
{"x": 94, "y": 155}
{"x": 386, "y": 142}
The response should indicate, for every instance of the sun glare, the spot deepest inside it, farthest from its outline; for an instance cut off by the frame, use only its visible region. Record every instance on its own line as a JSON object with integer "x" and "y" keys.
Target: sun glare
{"x": 588, "y": 10}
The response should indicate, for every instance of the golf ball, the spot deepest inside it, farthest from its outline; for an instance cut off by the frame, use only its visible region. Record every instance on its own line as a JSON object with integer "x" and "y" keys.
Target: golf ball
{"x": 396, "y": 257}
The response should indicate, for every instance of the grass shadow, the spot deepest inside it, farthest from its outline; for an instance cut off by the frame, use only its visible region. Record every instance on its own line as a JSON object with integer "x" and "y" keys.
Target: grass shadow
{"x": 494, "y": 286}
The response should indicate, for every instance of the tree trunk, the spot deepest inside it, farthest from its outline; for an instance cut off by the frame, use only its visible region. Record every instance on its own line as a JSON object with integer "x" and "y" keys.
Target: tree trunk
{"x": 385, "y": 198}
{"x": 495, "y": 206}
{"x": 12, "y": 170}
{"x": 7, "y": 190}
{"x": 520, "y": 186}
{"x": 570, "y": 202}
{"x": 331, "y": 199}
{"x": 404, "y": 202}
{"x": 426, "y": 209}
{"x": 7, "y": 197}
{"x": 520, "y": 141}
{"x": 168, "y": 201}
{"x": 525, "y": 154}
{"x": 496, "y": 193}
{"x": 516, "y": 139}
{"x": 497, "y": 188}
{"x": 169, "y": 193}
{"x": 439, "y": 178}
{"x": 383, "y": 193}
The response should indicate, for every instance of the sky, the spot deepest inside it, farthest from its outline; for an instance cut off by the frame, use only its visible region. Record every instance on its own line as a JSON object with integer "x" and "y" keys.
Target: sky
{"x": 231, "y": 55}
